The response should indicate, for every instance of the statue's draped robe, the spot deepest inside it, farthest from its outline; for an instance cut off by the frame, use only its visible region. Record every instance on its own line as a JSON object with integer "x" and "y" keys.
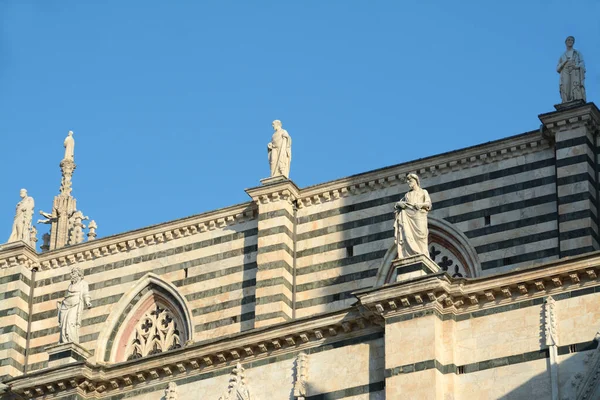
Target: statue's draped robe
{"x": 22, "y": 222}
{"x": 572, "y": 76}
{"x": 69, "y": 148}
{"x": 280, "y": 154}
{"x": 410, "y": 226}
{"x": 70, "y": 310}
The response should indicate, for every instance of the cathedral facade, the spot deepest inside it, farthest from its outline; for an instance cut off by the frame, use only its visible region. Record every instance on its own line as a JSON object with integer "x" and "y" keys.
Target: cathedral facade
{"x": 301, "y": 293}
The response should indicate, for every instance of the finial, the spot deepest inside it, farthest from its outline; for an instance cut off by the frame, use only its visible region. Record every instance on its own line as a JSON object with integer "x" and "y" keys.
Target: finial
{"x": 92, "y": 230}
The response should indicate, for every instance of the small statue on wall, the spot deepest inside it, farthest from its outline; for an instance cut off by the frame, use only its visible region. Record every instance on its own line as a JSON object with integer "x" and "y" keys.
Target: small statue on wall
{"x": 410, "y": 224}
{"x": 21, "y": 229}
{"x": 571, "y": 68}
{"x": 70, "y": 310}
{"x": 280, "y": 151}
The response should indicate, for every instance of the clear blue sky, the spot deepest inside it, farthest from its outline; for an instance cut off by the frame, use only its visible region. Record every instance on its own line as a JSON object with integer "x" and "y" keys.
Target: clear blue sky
{"x": 171, "y": 102}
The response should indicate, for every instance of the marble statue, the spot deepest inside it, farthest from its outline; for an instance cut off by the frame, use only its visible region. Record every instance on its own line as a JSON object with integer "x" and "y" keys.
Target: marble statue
{"x": 21, "y": 229}
{"x": 72, "y": 306}
{"x": 69, "y": 147}
{"x": 410, "y": 225}
{"x": 280, "y": 151}
{"x": 572, "y": 73}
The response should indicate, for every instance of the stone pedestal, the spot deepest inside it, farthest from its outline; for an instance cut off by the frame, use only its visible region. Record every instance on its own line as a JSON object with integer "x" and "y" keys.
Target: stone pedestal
{"x": 574, "y": 131}
{"x": 414, "y": 267}
{"x": 276, "y": 251}
{"x": 66, "y": 353}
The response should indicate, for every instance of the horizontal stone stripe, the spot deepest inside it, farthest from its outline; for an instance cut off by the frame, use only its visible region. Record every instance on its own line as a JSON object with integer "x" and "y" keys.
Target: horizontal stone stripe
{"x": 576, "y": 178}
{"x": 577, "y": 141}
{"x": 573, "y": 198}
{"x": 342, "y": 262}
{"x": 582, "y": 214}
{"x": 275, "y": 247}
{"x": 467, "y": 368}
{"x": 276, "y": 265}
{"x": 37, "y": 366}
{"x": 580, "y": 158}
{"x": 349, "y": 392}
{"x": 215, "y": 274}
{"x": 529, "y": 202}
{"x": 15, "y": 277}
{"x": 14, "y": 311}
{"x": 280, "y": 280}
{"x": 276, "y": 230}
{"x": 337, "y": 280}
{"x": 221, "y": 289}
{"x": 315, "y": 301}
{"x": 272, "y": 315}
{"x": 9, "y": 361}
{"x": 519, "y": 258}
{"x": 389, "y": 216}
{"x": 576, "y": 252}
{"x": 528, "y": 238}
{"x": 274, "y": 299}
{"x": 14, "y": 293}
{"x": 12, "y": 345}
{"x": 154, "y": 256}
{"x": 502, "y": 190}
{"x": 82, "y": 339}
{"x": 244, "y": 317}
{"x": 577, "y": 233}
{"x": 13, "y": 329}
{"x": 345, "y": 243}
{"x": 223, "y": 305}
{"x": 508, "y": 226}
{"x": 276, "y": 213}
{"x": 158, "y": 271}
{"x": 577, "y": 347}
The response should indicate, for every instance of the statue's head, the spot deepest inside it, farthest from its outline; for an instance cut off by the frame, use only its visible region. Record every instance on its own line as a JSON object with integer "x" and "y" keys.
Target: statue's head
{"x": 23, "y": 193}
{"x": 570, "y": 41}
{"x": 413, "y": 181}
{"x": 276, "y": 124}
{"x": 76, "y": 274}
{"x": 70, "y": 133}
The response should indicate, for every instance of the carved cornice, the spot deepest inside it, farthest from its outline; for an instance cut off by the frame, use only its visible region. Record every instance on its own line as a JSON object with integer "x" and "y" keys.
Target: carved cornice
{"x": 18, "y": 253}
{"x": 425, "y": 168}
{"x": 457, "y": 296}
{"x": 128, "y": 241}
{"x": 195, "y": 358}
{"x": 279, "y": 190}
{"x": 586, "y": 115}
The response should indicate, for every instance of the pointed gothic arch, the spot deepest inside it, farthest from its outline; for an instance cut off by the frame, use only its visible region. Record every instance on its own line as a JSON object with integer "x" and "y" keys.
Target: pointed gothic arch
{"x": 451, "y": 248}
{"x": 152, "y": 304}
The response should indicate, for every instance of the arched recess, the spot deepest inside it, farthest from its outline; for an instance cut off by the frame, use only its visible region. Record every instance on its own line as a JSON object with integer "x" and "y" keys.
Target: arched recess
{"x": 448, "y": 247}
{"x": 151, "y": 301}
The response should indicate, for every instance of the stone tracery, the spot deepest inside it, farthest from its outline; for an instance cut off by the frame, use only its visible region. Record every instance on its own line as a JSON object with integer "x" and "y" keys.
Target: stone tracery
{"x": 157, "y": 331}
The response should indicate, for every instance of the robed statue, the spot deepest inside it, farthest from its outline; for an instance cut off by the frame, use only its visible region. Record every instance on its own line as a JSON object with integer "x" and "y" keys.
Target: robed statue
{"x": 572, "y": 73}
{"x": 69, "y": 147}
{"x": 71, "y": 308}
{"x": 280, "y": 151}
{"x": 21, "y": 229}
{"x": 410, "y": 225}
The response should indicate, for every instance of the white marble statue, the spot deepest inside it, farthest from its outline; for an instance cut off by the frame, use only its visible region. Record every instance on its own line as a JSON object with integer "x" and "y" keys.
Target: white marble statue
{"x": 410, "y": 225}
{"x": 71, "y": 308}
{"x": 572, "y": 73}
{"x": 280, "y": 151}
{"x": 21, "y": 229}
{"x": 69, "y": 147}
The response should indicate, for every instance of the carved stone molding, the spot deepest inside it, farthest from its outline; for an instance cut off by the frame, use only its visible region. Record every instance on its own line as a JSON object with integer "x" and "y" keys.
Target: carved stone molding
{"x": 237, "y": 388}
{"x": 300, "y": 386}
{"x": 463, "y": 295}
{"x": 196, "y": 358}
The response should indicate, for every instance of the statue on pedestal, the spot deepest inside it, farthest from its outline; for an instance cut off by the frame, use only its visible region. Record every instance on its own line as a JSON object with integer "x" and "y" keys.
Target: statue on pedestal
{"x": 21, "y": 229}
{"x": 410, "y": 225}
{"x": 572, "y": 73}
{"x": 280, "y": 151}
{"x": 71, "y": 308}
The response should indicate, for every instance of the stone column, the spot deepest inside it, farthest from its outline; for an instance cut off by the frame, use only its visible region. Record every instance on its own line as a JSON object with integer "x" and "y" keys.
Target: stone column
{"x": 275, "y": 257}
{"x": 574, "y": 132}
